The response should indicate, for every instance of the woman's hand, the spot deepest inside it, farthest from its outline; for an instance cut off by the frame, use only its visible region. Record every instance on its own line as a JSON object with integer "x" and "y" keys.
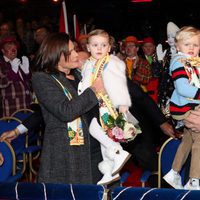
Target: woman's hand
{"x": 9, "y": 135}
{"x": 1, "y": 159}
{"x": 193, "y": 120}
{"x": 98, "y": 86}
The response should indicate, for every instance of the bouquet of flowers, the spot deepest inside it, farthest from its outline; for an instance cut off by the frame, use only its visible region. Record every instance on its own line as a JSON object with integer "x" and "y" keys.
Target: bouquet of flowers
{"x": 122, "y": 130}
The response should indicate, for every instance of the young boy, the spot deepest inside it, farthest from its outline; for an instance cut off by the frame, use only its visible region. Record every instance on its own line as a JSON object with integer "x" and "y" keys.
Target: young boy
{"x": 186, "y": 96}
{"x": 113, "y": 73}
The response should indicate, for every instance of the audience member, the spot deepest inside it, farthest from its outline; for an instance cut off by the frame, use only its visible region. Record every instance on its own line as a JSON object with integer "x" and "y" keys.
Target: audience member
{"x": 25, "y": 35}
{"x": 5, "y": 29}
{"x": 164, "y": 57}
{"x": 149, "y": 50}
{"x": 40, "y": 34}
{"x": 82, "y": 42}
{"x": 138, "y": 68}
{"x": 14, "y": 78}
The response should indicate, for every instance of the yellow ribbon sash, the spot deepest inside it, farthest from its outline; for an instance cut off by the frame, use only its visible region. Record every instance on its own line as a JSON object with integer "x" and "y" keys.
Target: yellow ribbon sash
{"x": 106, "y": 106}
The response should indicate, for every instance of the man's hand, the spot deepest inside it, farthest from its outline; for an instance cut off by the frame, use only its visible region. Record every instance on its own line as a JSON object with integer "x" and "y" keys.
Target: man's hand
{"x": 168, "y": 129}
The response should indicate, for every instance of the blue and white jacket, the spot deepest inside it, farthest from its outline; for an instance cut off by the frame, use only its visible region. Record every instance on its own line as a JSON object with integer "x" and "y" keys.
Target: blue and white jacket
{"x": 186, "y": 95}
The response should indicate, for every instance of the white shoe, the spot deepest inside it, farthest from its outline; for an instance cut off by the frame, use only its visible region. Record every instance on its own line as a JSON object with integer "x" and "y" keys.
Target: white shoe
{"x": 107, "y": 179}
{"x": 191, "y": 186}
{"x": 120, "y": 159}
{"x": 174, "y": 179}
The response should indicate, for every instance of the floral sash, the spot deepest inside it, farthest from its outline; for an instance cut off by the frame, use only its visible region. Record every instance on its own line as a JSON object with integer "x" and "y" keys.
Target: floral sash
{"x": 75, "y": 129}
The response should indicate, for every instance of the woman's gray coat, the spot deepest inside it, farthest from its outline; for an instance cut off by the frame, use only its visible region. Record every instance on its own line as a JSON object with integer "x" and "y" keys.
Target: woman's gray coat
{"x": 60, "y": 162}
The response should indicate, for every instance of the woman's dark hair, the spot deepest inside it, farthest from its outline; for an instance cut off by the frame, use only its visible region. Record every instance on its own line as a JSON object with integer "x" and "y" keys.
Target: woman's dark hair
{"x": 48, "y": 55}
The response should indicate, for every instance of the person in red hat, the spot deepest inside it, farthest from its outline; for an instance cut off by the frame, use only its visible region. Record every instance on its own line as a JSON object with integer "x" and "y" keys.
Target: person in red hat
{"x": 14, "y": 78}
{"x": 149, "y": 51}
{"x": 148, "y": 48}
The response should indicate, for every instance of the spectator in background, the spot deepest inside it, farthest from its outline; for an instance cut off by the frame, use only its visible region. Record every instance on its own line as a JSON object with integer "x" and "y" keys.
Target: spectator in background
{"x": 40, "y": 34}
{"x": 148, "y": 48}
{"x": 14, "y": 78}
{"x": 5, "y": 29}
{"x": 121, "y": 50}
{"x": 164, "y": 57}
{"x": 149, "y": 51}
{"x": 82, "y": 42}
{"x": 138, "y": 68}
{"x": 25, "y": 35}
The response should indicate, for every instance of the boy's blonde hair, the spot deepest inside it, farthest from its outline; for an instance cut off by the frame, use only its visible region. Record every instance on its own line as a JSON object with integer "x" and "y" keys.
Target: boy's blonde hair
{"x": 186, "y": 32}
{"x": 98, "y": 32}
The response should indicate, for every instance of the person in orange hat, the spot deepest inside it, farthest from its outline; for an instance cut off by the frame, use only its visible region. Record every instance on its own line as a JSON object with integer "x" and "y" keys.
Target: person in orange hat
{"x": 138, "y": 68}
{"x": 131, "y": 48}
{"x": 82, "y": 42}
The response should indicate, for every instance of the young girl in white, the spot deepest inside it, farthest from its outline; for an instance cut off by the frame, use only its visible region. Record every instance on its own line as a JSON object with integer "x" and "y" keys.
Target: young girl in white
{"x": 113, "y": 73}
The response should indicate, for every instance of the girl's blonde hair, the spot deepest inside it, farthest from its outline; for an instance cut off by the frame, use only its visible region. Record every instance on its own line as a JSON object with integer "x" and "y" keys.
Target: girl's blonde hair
{"x": 98, "y": 32}
{"x": 186, "y": 32}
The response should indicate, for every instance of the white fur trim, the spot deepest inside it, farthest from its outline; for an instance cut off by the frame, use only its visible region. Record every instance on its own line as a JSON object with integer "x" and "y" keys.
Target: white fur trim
{"x": 115, "y": 81}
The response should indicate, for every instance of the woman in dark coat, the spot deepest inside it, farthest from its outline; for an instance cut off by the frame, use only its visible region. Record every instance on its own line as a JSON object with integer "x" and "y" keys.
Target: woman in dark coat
{"x": 55, "y": 86}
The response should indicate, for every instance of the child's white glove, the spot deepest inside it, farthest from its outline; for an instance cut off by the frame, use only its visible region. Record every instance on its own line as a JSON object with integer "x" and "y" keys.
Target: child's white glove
{"x": 15, "y": 64}
{"x": 160, "y": 53}
{"x": 25, "y": 64}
